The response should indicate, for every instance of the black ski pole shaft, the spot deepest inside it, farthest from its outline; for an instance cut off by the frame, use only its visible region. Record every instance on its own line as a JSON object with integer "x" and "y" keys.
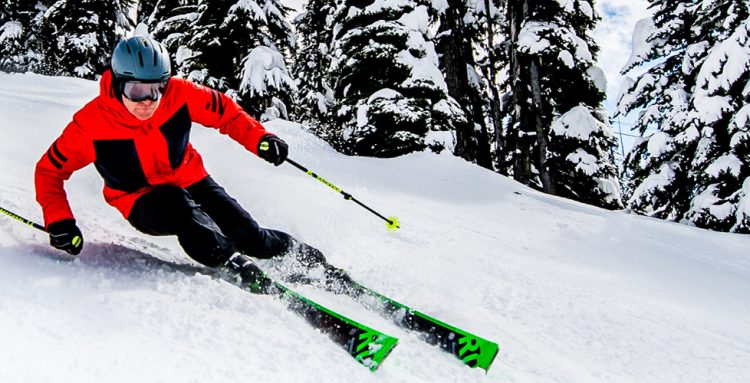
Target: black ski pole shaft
{"x": 24, "y": 220}
{"x": 391, "y": 223}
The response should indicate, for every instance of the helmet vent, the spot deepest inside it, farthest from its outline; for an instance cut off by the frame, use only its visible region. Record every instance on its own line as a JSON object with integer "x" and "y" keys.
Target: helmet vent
{"x": 140, "y": 58}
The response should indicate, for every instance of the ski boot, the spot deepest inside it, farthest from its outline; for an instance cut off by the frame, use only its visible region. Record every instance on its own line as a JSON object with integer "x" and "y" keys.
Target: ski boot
{"x": 308, "y": 264}
{"x": 248, "y": 276}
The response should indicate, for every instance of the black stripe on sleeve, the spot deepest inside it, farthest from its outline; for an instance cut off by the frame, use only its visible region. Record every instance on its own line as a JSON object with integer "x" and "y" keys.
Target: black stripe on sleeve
{"x": 214, "y": 96}
{"x": 53, "y": 160}
{"x": 57, "y": 153}
{"x": 221, "y": 104}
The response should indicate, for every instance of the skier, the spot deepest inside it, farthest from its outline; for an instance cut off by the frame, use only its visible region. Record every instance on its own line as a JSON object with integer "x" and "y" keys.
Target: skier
{"x": 136, "y": 132}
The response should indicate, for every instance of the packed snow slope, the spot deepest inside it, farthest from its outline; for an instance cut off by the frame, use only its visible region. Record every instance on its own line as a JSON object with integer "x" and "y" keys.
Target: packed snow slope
{"x": 571, "y": 293}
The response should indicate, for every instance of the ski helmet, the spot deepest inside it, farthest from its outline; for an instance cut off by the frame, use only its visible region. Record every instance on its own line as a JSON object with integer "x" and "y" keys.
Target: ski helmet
{"x": 141, "y": 58}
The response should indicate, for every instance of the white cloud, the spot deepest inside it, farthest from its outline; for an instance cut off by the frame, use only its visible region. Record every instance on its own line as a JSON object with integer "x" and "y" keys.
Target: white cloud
{"x": 614, "y": 35}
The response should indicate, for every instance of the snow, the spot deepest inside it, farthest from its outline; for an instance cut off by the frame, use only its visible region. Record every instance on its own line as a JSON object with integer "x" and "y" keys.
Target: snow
{"x": 566, "y": 58}
{"x": 585, "y": 162}
{"x": 11, "y": 30}
{"x": 658, "y": 180}
{"x": 141, "y": 30}
{"x": 707, "y": 200}
{"x": 598, "y": 78}
{"x": 579, "y": 123}
{"x": 570, "y": 292}
{"x": 724, "y": 66}
{"x": 640, "y": 46}
{"x": 728, "y": 163}
{"x": 743, "y": 207}
{"x": 531, "y": 40}
{"x": 264, "y": 68}
{"x": 658, "y": 144}
{"x": 726, "y": 63}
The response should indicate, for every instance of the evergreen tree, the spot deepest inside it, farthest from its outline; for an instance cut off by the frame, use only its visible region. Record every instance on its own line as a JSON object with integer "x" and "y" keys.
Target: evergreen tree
{"x": 79, "y": 36}
{"x": 391, "y": 98}
{"x": 694, "y": 167}
{"x": 721, "y": 110}
{"x": 220, "y": 40}
{"x": 169, "y": 22}
{"x": 659, "y": 166}
{"x": 458, "y": 31}
{"x": 558, "y": 136}
{"x": 311, "y": 66}
{"x": 19, "y": 46}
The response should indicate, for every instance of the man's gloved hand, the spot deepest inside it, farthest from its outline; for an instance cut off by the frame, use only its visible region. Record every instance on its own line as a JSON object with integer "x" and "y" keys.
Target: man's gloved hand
{"x": 66, "y": 236}
{"x": 273, "y": 149}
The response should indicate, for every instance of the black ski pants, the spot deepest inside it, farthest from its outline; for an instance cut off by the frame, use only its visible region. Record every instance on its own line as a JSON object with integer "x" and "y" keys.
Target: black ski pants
{"x": 209, "y": 224}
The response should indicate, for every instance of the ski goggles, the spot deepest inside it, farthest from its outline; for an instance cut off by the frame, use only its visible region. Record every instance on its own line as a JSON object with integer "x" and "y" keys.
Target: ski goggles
{"x": 137, "y": 91}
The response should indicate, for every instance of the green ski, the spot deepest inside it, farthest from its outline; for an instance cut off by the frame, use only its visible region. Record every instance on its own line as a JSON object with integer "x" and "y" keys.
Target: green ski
{"x": 472, "y": 350}
{"x": 367, "y": 346}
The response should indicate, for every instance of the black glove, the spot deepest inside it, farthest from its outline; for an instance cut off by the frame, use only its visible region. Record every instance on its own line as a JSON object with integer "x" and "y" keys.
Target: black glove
{"x": 66, "y": 236}
{"x": 273, "y": 149}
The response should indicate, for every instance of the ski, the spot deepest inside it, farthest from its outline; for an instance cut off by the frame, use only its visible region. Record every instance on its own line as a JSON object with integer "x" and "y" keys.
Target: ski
{"x": 472, "y": 350}
{"x": 366, "y": 345}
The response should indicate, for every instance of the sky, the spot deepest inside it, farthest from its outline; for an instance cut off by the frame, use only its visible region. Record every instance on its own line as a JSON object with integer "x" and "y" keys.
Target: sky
{"x": 614, "y": 36}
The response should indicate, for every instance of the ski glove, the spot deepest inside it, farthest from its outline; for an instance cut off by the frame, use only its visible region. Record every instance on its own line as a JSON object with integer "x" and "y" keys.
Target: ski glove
{"x": 273, "y": 149}
{"x": 65, "y": 235}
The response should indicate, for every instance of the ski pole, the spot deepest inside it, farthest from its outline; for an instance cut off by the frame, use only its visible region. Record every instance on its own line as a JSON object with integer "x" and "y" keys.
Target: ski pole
{"x": 24, "y": 220}
{"x": 391, "y": 223}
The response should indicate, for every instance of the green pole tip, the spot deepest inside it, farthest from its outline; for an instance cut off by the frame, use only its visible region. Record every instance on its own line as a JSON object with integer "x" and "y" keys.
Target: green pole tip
{"x": 392, "y": 224}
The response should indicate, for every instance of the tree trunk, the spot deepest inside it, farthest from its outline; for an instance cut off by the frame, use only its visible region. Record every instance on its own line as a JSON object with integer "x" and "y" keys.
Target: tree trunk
{"x": 456, "y": 55}
{"x": 541, "y": 136}
{"x": 520, "y": 153}
{"x": 530, "y": 151}
{"x": 492, "y": 78}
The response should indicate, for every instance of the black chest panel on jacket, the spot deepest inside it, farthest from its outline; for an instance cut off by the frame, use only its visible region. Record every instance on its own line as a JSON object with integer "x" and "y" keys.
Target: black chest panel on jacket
{"x": 117, "y": 162}
{"x": 177, "y": 133}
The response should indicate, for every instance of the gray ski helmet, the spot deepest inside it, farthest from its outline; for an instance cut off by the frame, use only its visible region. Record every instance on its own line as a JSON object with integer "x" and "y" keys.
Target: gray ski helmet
{"x": 141, "y": 58}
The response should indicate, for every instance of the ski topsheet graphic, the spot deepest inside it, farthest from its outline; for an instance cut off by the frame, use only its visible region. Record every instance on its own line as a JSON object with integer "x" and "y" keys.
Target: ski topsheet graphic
{"x": 472, "y": 350}
{"x": 366, "y": 345}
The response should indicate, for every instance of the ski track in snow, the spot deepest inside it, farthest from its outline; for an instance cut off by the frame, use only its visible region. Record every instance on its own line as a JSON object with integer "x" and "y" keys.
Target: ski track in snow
{"x": 571, "y": 293}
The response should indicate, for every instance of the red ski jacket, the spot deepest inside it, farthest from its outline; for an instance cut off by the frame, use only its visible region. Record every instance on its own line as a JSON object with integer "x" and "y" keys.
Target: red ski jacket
{"x": 132, "y": 155}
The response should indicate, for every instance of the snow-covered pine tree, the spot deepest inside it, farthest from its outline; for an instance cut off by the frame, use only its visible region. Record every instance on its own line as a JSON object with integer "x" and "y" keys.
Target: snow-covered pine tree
{"x": 559, "y": 136}
{"x": 311, "y": 66}
{"x": 168, "y": 22}
{"x": 458, "y": 30}
{"x": 658, "y": 167}
{"x": 391, "y": 97}
{"x": 19, "y": 45}
{"x": 78, "y": 36}
{"x": 721, "y": 111}
{"x": 692, "y": 165}
{"x": 220, "y": 48}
